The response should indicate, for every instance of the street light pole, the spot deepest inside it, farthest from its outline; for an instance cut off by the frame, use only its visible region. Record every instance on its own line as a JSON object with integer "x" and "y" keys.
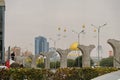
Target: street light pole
{"x": 78, "y": 33}
{"x": 98, "y": 31}
{"x": 79, "y": 36}
{"x": 54, "y": 41}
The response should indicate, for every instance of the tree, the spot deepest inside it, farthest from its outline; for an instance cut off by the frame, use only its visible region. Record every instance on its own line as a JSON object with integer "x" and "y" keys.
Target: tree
{"x": 40, "y": 62}
{"x": 28, "y": 62}
{"x": 52, "y": 64}
{"x": 55, "y": 64}
{"x": 107, "y": 62}
{"x": 15, "y": 65}
{"x": 79, "y": 59}
{"x": 70, "y": 63}
{"x": 41, "y": 65}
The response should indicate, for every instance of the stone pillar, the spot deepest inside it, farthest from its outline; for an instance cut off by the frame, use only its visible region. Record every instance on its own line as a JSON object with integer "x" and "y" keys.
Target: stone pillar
{"x": 86, "y": 50}
{"x": 63, "y": 57}
{"x": 47, "y": 62}
{"x": 115, "y": 44}
{"x": 33, "y": 65}
{"x": 47, "y": 59}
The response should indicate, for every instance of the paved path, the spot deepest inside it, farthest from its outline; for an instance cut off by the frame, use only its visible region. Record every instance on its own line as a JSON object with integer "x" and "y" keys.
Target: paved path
{"x": 110, "y": 76}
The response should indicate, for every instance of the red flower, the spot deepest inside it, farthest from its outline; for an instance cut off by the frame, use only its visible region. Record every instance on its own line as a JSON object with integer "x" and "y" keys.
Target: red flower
{"x": 7, "y": 63}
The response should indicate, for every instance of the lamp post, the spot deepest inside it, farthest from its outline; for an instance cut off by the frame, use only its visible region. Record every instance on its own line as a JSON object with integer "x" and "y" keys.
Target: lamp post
{"x": 54, "y": 41}
{"x": 78, "y": 34}
{"x": 98, "y": 31}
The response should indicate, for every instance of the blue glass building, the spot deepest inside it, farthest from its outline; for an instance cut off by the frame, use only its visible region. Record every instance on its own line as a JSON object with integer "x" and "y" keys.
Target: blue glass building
{"x": 2, "y": 22}
{"x": 41, "y": 45}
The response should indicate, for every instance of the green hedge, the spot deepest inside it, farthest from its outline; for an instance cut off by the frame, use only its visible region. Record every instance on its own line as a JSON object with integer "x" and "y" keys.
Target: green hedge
{"x": 80, "y": 73}
{"x": 60, "y": 74}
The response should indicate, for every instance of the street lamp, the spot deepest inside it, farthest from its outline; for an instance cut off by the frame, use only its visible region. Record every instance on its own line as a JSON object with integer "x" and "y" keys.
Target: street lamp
{"x": 54, "y": 41}
{"x": 98, "y": 31}
{"x": 78, "y": 34}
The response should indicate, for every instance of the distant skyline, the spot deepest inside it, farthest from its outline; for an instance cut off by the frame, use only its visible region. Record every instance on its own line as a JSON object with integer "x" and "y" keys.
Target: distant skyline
{"x": 26, "y": 19}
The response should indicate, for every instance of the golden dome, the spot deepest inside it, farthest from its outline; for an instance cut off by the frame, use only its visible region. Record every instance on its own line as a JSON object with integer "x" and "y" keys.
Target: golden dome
{"x": 74, "y": 46}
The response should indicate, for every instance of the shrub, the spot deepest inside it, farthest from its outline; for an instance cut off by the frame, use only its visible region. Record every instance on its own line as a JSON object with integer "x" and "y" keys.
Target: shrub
{"x": 75, "y": 74}
{"x": 5, "y": 74}
{"x": 60, "y": 74}
{"x": 15, "y": 65}
{"x": 89, "y": 73}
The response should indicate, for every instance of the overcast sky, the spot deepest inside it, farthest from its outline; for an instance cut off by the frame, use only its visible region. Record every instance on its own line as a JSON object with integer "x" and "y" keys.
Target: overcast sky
{"x": 27, "y": 19}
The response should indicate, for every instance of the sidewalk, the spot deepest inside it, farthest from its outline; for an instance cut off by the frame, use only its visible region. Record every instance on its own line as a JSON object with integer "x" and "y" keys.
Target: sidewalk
{"x": 110, "y": 76}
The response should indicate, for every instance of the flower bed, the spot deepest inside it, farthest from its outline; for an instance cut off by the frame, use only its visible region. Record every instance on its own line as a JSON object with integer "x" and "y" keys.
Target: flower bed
{"x": 60, "y": 74}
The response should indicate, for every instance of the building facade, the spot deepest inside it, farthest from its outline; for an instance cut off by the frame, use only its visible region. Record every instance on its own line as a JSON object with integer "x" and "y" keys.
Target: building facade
{"x": 2, "y": 22}
{"x": 41, "y": 45}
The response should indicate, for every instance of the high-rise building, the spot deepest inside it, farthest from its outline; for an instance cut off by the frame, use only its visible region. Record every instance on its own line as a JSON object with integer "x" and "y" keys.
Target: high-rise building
{"x": 2, "y": 14}
{"x": 41, "y": 45}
